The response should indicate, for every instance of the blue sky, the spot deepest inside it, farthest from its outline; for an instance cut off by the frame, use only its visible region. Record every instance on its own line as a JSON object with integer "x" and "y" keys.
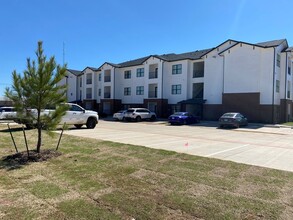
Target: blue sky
{"x": 92, "y": 32}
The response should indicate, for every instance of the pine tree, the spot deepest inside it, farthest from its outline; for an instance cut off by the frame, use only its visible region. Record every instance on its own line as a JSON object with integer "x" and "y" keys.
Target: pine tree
{"x": 36, "y": 90}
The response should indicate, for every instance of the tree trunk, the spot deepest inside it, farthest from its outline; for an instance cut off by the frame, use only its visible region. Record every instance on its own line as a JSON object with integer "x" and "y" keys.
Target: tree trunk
{"x": 39, "y": 140}
{"x": 39, "y": 127}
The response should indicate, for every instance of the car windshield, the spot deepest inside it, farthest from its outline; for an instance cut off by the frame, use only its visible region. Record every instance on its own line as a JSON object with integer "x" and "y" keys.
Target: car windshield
{"x": 178, "y": 113}
{"x": 229, "y": 115}
{"x": 122, "y": 111}
{"x": 130, "y": 111}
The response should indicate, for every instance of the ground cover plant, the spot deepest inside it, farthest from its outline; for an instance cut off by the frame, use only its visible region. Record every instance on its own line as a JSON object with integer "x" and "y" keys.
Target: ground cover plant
{"x": 93, "y": 179}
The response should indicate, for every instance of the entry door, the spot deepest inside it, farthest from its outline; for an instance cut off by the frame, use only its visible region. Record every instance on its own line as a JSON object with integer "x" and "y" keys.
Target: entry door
{"x": 152, "y": 106}
{"x": 107, "y": 107}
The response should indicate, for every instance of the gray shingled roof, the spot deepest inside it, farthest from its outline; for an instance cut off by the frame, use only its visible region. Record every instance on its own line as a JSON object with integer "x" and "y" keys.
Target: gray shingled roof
{"x": 195, "y": 55}
{"x": 74, "y": 72}
{"x": 272, "y": 43}
{"x": 166, "y": 57}
{"x": 135, "y": 62}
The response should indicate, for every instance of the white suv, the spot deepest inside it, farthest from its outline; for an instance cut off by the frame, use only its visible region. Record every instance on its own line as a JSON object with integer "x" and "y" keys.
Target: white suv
{"x": 7, "y": 113}
{"x": 139, "y": 114}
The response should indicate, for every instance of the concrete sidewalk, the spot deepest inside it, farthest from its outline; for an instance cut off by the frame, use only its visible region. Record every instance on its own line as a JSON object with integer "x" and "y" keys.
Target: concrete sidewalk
{"x": 256, "y": 145}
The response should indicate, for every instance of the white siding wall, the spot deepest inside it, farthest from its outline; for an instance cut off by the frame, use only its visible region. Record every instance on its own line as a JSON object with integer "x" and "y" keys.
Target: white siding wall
{"x": 71, "y": 92}
{"x": 132, "y": 83}
{"x": 175, "y": 79}
{"x": 242, "y": 69}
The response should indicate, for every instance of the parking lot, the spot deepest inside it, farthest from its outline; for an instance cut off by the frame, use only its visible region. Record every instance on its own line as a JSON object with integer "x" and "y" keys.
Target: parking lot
{"x": 256, "y": 144}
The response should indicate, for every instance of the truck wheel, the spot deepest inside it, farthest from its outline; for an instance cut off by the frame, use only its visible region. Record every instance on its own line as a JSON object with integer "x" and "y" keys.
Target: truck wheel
{"x": 78, "y": 126}
{"x": 91, "y": 123}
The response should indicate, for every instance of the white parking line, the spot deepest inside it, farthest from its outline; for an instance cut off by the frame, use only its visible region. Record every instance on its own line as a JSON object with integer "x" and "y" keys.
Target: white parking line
{"x": 230, "y": 149}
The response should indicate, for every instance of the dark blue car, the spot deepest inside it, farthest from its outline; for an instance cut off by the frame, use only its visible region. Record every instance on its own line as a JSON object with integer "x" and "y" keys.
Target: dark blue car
{"x": 182, "y": 118}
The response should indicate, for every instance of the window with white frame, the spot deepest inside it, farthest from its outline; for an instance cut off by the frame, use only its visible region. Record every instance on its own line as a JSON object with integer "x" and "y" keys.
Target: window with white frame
{"x": 80, "y": 82}
{"x": 89, "y": 78}
{"x": 198, "y": 69}
{"x": 127, "y": 74}
{"x": 197, "y": 90}
{"x": 177, "y": 69}
{"x": 176, "y": 89}
{"x": 277, "y": 86}
{"x": 127, "y": 91}
{"x": 88, "y": 93}
{"x": 278, "y": 60}
{"x": 99, "y": 92}
{"x": 140, "y": 72}
{"x": 100, "y": 76}
{"x": 139, "y": 90}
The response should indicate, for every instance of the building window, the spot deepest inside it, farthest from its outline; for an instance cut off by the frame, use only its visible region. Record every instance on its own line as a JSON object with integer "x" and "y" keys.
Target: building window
{"x": 278, "y": 60}
{"x": 197, "y": 91}
{"x": 127, "y": 91}
{"x": 80, "y": 82}
{"x": 88, "y": 93}
{"x": 140, "y": 72}
{"x": 107, "y": 92}
{"x": 177, "y": 69}
{"x": 198, "y": 69}
{"x": 176, "y": 89}
{"x": 100, "y": 77}
{"x": 289, "y": 70}
{"x": 139, "y": 90}
{"x": 107, "y": 76}
{"x": 277, "y": 86}
{"x": 89, "y": 78}
{"x": 100, "y": 92}
{"x": 127, "y": 74}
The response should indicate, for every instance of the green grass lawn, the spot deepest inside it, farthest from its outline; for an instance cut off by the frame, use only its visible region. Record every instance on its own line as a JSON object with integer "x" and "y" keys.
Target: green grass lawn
{"x": 288, "y": 123}
{"x": 95, "y": 179}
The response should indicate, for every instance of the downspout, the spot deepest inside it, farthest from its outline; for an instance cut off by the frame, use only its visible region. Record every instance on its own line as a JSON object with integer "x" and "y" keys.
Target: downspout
{"x": 114, "y": 89}
{"x": 162, "y": 89}
{"x": 286, "y": 69}
{"x": 223, "y": 83}
{"x": 273, "y": 97}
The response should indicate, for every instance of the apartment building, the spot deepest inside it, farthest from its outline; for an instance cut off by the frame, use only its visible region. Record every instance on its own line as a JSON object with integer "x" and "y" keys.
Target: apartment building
{"x": 254, "y": 79}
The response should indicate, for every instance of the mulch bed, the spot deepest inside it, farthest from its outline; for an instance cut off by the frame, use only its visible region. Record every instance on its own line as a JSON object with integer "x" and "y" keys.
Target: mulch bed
{"x": 22, "y": 158}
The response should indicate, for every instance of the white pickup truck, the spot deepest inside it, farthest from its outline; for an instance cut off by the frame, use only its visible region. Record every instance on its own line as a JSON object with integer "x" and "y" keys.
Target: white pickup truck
{"x": 76, "y": 115}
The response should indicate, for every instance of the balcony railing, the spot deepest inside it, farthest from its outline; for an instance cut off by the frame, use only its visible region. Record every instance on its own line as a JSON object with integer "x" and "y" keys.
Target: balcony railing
{"x": 153, "y": 94}
{"x": 89, "y": 96}
{"x": 107, "y": 78}
{"x": 198, "y": 74}
{"x": 153, "y": 75}
{"x": 107, "y": 95}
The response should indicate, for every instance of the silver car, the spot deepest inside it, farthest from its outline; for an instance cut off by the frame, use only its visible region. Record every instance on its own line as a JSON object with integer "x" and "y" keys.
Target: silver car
{"x": 119, "y": 116}
{"x": 234, "y": 119}
{"x": 138, "y": 114}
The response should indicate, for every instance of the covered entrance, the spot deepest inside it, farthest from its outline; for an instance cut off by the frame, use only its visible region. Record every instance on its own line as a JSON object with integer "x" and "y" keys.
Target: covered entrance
{"x": 193, "y": 106}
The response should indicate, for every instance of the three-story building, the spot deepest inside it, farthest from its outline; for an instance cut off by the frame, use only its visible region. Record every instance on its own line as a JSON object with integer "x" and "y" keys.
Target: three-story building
{"x": 254, "y": 79}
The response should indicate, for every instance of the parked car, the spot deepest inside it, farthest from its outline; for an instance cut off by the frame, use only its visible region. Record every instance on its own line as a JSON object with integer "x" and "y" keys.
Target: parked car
{"x": 182, "y": 118}
{"x": 7, "y": 113}
{"x": 119, "y": 116}
{"x": 138, "y": 114}
{"x": 75, "y": 115}
{"x": 234, "y": 119}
